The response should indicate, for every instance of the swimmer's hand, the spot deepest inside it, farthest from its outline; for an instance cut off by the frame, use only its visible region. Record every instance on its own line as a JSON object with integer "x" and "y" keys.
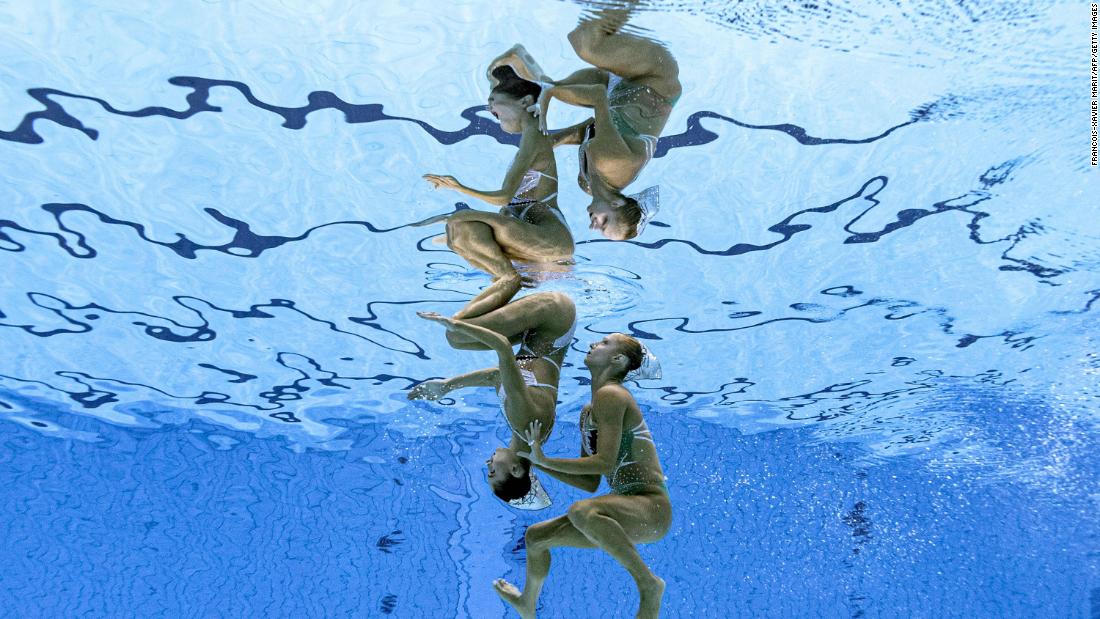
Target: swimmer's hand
{"x": 541, "y": 108}
{"x": 446, "y": 182}
{"x": 428, "y": 390}
{"x": 533, "y": 436}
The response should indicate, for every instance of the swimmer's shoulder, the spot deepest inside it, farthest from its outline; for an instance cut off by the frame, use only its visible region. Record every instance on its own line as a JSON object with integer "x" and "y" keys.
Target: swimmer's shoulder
{"x": 612, "y": 396}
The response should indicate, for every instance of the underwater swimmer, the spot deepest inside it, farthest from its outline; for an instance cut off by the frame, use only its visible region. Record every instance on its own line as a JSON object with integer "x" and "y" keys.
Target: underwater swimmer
{"x": 527, "y": 382}
{"x": 615, "y": 443}
{"x": 529, "y": 226}
{"x": 631, "y": 92}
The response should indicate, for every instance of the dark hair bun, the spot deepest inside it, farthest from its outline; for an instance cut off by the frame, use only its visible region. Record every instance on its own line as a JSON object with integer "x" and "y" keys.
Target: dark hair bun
{"x": 513, "y": 85}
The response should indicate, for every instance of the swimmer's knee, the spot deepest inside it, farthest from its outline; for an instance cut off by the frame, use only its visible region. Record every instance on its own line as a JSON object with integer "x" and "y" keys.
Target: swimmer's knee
{"x": 553, "y": 307}
{"x": 455, "y": 341}
{"x": 459, "y": 233}
{"x": 584, "y": 39}
{"x": 575, "y": 37}
{"x": 535, "y": 536}
{"x": 453, "y": 234}
{"x": 561, "y": 301}
{"x": 580, "y": 513}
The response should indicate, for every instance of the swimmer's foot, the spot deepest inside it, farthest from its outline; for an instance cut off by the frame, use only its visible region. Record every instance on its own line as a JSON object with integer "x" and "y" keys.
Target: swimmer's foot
{"x": 650, "y": 593}
{"x": 434, "y": 219}
{"x": 454, "y": 325}
{"x": 509, "y": 593}
{"x": 436, "y": 317}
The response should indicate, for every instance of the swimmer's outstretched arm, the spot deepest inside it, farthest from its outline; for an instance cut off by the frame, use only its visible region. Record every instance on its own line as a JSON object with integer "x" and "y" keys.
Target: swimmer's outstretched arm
{"x": 529, "y": 145}
{"x": 435, "y": 389}
{"x": 515, "y": 388}
{"x": 588, "y": 483}
{"x": 592, "y": 96}
{"x": 608, "y": 409}
{"x": 583, "y": 95}
{"x": 581, "y": 89}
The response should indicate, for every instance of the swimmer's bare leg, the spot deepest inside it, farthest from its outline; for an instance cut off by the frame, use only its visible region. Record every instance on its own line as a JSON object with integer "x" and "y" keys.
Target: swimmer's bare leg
{"x": 605, "y": 521}
{"x": 600, "y": 42}
{"x": 434, "y": 219}
{"x": 495, "y": 295}
{"x": 550, "y": 312}
{"x": 612, "y": 19}
{"x": 540, "y": 538}
{"x": 584, "y": 76}
{"x": 474, "y": 241}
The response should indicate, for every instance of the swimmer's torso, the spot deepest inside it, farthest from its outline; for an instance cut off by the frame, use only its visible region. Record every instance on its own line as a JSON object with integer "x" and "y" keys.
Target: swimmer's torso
{"x": 637, "y": 465}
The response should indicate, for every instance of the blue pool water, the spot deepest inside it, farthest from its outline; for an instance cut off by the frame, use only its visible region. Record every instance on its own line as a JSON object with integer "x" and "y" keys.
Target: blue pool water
{"x": 872, "y": 286}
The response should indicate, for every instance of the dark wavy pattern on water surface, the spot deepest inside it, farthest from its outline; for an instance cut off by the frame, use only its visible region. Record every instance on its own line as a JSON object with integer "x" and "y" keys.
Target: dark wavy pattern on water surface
{"x": 275, "y": 397}
{"x": 198, "y": 102}
{"x": 896, "y": 309}
{"x": 857, "y": 400}
{"x": 356, "y": 113}
{"x": 244, "y": 244}
{"x": 175, "y": 332}
{"x": 833, "y": 401}
{"x": 248, "y": 244}
{"x": 787, "y": 228}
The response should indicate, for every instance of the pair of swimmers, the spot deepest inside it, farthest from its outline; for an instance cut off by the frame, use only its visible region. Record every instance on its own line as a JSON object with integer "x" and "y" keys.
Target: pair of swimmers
{"x": 630, "y": 89}
{"x": 615, "y": 441}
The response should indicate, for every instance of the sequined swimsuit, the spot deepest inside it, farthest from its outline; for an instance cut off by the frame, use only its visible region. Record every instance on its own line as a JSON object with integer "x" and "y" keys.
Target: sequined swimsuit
{"x": 529, "y": 378}
{"x": 530, "y": 209}
{"x": 622, "y": 94}
{"x": 628, "y": 477}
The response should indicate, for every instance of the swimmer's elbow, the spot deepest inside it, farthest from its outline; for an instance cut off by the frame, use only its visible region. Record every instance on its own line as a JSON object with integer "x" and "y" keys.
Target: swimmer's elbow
{"x": 607, "y": 466}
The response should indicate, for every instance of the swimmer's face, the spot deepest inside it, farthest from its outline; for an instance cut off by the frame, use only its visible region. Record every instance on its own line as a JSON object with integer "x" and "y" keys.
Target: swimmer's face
{"x": 605, "y": 219}
{"x": 503, "y": 463}
{"x": 603, "y": 353}
{"x": 509, "y": 111}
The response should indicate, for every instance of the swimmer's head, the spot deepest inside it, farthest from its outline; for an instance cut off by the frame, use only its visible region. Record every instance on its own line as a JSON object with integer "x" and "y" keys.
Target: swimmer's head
{"x": 617, "y": 351}
{"x": 510, "y": 98}
{"x": 617, "y": 218}
{"x": 508, "y": 474}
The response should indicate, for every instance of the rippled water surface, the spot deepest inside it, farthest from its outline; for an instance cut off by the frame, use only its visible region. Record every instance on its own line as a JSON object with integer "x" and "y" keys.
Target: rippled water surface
{"x": 872, "y": 285}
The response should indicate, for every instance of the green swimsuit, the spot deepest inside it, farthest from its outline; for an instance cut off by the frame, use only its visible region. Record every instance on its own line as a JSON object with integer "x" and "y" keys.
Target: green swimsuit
{"x": 628, "y": 477}
{"x": 621, "y": 94}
